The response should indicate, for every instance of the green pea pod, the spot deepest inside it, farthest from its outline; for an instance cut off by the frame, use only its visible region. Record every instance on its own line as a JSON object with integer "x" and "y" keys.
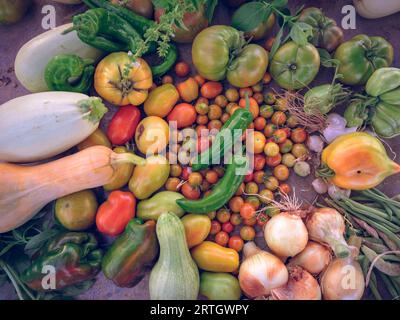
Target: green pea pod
{"x": 105, "y": 30}
{"x": 222, "y": 191}
{"x": 64, "y": 67}
{"x": 75, "y": 257}
{"x": 126, "y": 261}
{"x": 386, "y": 120}
{"x": 356, "y": 113}
{"x": 234, "y": 127}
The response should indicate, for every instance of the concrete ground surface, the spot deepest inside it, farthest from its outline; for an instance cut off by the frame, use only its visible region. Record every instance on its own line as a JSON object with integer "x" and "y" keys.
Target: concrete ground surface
{"x": 13, "y": 37}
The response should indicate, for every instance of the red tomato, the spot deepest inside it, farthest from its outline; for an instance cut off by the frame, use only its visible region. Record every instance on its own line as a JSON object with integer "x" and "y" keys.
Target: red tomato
{"x": 236, "y": 243}
{"x": 247, "y": 211}
{"x": 299, "y": 135}
{"x": 184, "y": 114}
{"x": 280, "y": 136}
{"x": 259, "y": 162}
{"x": 274, "y": 161}
{"x": 123, "y": 125}
{"x": 215, "y": 227}
{"x": 228, "y": 227}
{"x": 190, "y": 192}
{"x": 114, "y": 214}
{"x": 249, "y": 177}
{"x": 186, "y": 171}
{"x": 211, "y": 89}
{"x": 182, "y": 69}
{"x": 222, "y": 238}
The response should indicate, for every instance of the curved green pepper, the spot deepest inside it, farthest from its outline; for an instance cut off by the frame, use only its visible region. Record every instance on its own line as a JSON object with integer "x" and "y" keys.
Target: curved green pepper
{"x": 386, "y": 120}
{"x": 222, "y": 191}
{"x": 64, "y": 67}
{"x": 75, "y": 257}
{"x": 105, "y": 30}
{"x": 326, "y": 33}
{"x": 137, "y": 248}
{"x": 219, "y": 286}
{"x": 361, "y": 56}
{"x": 235, "y": 126}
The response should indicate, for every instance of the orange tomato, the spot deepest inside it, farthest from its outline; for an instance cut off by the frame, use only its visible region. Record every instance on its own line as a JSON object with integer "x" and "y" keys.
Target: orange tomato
{"x": 199, "y": 79}
{"x": 211, "y": 89}
{"x": 259, "y": 142}
{"x": 190, "y": 192}
{"x": 188, "y": 90}
{"x": 254, "y": 108}
{"x": 222, "y": 238}
{"x": 182, "y": 69}
{"x": 278, "y": 118}
{"x": 274, "y": 161}
{"x": 236, "y": 203}
{"x": 247, "y": 211}
{"x": 184, "y": 114}
{"x": 281, "y": 172}
{"x": 236, "y": 243}
{"x": 259, "y": 123}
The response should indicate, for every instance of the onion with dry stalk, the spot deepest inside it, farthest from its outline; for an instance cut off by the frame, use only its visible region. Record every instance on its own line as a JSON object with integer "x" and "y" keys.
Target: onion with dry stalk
{"x": 326, "y": 225}
{"x": 301, "y": 286}
{"x": 260, "y": 272}
{"x": 314, "y": 258}
{"x": 343, "y": 280}
{"x": 285, "y": 233}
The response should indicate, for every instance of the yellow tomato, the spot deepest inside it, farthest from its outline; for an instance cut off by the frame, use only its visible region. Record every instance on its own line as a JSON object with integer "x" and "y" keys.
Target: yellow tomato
{"x": 258, "y": 139}
{"x": 113, "y": 85}
{"x": 152, "y": 135}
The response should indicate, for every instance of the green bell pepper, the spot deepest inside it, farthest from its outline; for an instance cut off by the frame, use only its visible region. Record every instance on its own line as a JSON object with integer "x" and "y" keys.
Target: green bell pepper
{"x": 361, "y": 56}
{"x": 137, "y": 248}
{"x": 219, "y": 286}
{"x": 326, "y": 33}
{"x": 356, "y": 113}
{"x": 64, "y": 67}
{"x": 75, "y": 257}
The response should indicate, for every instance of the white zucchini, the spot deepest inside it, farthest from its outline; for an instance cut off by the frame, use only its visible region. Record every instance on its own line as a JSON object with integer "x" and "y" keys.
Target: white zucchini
{"x": 34, "y": 55}
{"x": 374, "y": 9}
{"x": 42, "y": 125}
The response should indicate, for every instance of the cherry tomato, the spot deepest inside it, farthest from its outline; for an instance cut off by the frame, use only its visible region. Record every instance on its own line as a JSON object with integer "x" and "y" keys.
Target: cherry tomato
{"x": 232, "y": 95}
{"x": 251, "y": 188}
{"x": 243, "y": 91}
{"x": 215, "y": 112}
{"x": 247, "y": 233}
{"x": 266, "y": 111}
{"x": 202, "y": 119}
{"x": 182, "y": 69}
{"x": 250, "y": 222}
{"x": 285, "y": 188}
{"x": 199, "y": 130}
{"x": 215, "y": 227}
{"x": 227, "y": 227}
{"x": 259, "y": 162}
{"x": 185, "y": 173}
{"x": 266, "y": 196}
{"x": 299, "y": 150}
{"x": 269, "y": 130}
{"x": 175, "y": 170}
{"x": 221, "y": 101}
{"x": 240, "y": 190}
{"x": 172, "y": 184}
{"x": 188, "y": 90}
{"x": 286, "y": 146}
{"x": 247, "y": 211}
{"x": 289, "y": 160}
{"x": 223, "y": 215}
{"x": 257, "y": 88}
{"x": 249, "y": 177}
{"x": 219, "y": 170}
{"x": 271, "y": 149}
{"x": 278, "y": 118}
{"x": 214, "y": 124}
{"x": 281, "y": 172}
{"x": 236, "y": 203}
{"x": 211, "y": 176}
{"x": 222, "y": 238}
{"x": 258, "y": 96}
{"x": 123, "y": 125}
{"x": 235, "y": 219}
{"x": 167, "y": 79}
{"x": 205, "y": 185}
{"x": 299, "y": 135}
{"x": 266, "y": 78}
{"x": 258, "y": 176}
{"x": 274, "y": 161}
{"x": 202, "y": 108}
{"x": 292, "y": 121}
{"x": 269, "y": 43}
{"x": 199, "y": 79}
{"x": 225, "y": 117}
{"x": 254, "y": 201}
{"x": 280, "y": 136}
{"x": 254, "y": 108}
{"x": 114, "y": 214}
{"x": 236, "y": 243}
{"x": 271, "y": 183}
{"x": 259, "y": 141}
{"x": 211, "y": 89}
{"x": 281, "y": 104}
{"x": 184, "y": 114}
{"x": 190, "y": 192}
{"x": 212, "y": 215}
{"x": 262, "y": 219}
{"x": 260, "y": 123}
{"x": 195, "y": 179}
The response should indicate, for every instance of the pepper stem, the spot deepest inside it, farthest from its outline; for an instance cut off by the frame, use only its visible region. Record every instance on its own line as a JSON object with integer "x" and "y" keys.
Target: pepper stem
{"x": 120, "y": 158}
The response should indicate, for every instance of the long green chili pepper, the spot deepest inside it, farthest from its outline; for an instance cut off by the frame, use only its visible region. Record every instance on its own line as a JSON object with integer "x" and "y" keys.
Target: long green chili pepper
{"x": 222, "y": 191}
{"x": 389, "y": 286}
{"x": 234, "y": 127}
{"x": 64, "y": 67}
{"x": 167, "y": 63}
{"x": 105, "y": 30}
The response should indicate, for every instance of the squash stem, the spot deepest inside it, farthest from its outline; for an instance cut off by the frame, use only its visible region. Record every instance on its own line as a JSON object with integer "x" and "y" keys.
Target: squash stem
{"x": 127, "y": 157}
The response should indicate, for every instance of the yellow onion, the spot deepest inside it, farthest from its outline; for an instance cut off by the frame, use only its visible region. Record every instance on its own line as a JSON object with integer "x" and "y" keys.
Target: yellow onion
{"x": 327, "y": 226}
{"x": 285, "y": 234}
{"x": 260, "y": 272}
{"x": 343, "y": 280}
{"x": 314, "y": 258}
{"x": 301, "y": 286}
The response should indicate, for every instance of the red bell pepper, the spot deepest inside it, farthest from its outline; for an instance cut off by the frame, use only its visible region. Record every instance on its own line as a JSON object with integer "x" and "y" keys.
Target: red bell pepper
{"x": 114, "y": 214}
{"x": 123, "y": 124}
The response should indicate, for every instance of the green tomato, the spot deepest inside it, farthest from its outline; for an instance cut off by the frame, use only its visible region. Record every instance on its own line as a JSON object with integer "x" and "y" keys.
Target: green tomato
{"x": 221, "y": 51}
{"x": 12, "y": 11}
{"x": 77, "y": 211}
{"x": 294, "y": 67}
{"x": 219, "y": 286}
{"x": 361, "y": 56}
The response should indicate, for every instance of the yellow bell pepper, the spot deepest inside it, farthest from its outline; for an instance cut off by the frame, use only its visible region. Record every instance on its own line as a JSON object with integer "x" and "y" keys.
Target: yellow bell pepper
{"x": 113, "y": 85}
{"x": 210, "y": 256}
{"x": 357, "y": 161}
